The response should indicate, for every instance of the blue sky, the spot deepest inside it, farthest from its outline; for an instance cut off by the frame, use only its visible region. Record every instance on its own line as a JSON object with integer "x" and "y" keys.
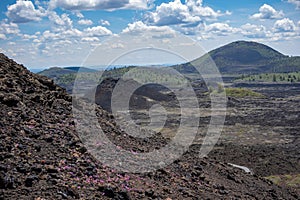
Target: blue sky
{"x": 42, "y": 34}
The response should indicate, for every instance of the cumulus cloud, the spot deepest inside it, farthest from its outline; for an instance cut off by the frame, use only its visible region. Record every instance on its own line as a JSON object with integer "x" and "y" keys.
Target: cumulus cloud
{"x": 24, "y": 11}
{"x": 254, "y": 31}
{"x": 97, "y": 31}
{"x": 78, "y": 14}
{"x": 8, "y": 28}
{"x": 139, "y": 28}
{"x": 104, "y": 22}
{"x": 295, "y": 2}
{"x": 220, "y": 29}
{"x": 85, "y": 22}
{"x": 73, "y": 34}
{"x": 284, "y": 25}
{"x": 198, "y": 9}
{"x": 267, "y": 12}
{"x": 90, "y": 39}
{"x": 172, "y": 13}
{"x": 48, "y": 35}
{"x": 2, "y": 36}
{"x": 191, "y": 12}
{"x": 62, "y": 22}
{"x": 52, "y": 42}
{"x": 29, "y": 37}
{"x": 99, "y": 4}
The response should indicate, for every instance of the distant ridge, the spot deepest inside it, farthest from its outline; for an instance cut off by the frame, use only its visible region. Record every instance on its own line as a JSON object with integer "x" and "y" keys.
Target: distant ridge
{"x": 55, "y": 72}
{"x": 243, "y": 57}
{"x": 80, "y": 69}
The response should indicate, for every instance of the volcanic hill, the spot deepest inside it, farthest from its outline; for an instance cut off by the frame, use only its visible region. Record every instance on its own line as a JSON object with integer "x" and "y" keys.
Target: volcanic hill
{"x": 243, "y": 57}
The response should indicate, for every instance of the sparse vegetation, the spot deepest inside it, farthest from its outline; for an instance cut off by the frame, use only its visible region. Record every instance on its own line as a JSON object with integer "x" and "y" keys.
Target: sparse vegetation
{"x": 272, "y": 77}
{"x": 275, "y": 179}
{"x": 235, "y": 92}
{"x": 242, "y": 93}
{"x": 143, "y": 75}
{"x": 288, "y": 180}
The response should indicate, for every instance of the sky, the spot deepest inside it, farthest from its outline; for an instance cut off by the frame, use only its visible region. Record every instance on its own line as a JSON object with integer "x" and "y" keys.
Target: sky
{"x": 42, "y": 34}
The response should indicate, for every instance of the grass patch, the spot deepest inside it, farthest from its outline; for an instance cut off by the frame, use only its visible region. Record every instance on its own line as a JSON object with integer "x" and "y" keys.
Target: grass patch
{"x": 242, "y": 93}
{"x": 288, "y": 180}
{"x": 294, "y": 182}
{"x": 275, "y": 179}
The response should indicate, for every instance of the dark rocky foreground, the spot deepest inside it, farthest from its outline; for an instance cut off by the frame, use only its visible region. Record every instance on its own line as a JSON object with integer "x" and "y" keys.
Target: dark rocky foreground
{"x": 263, "y": 134}
{"x": 42, "y": 157}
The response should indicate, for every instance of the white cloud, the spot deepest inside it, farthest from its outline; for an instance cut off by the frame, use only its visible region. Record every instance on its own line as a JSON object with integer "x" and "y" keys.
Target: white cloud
{"x": 295, "y": 2}
{"x": 78, "y": 14}
{"x": 62, "y": 43}
{"x": 48, "y": 35}
{"x": 12, "y": 43}
{"x": 267, "y": 12}
{"x": 190, "y": 30}
{"x": 72, "y": 33}
{"x": 90, "y": 39}
{"x": 284, "y": 25}
{"x": 220, "y": 29}
{"x": 85, "y": 22}
{"x": 283, "y": 30}
{"x": 7, "y": 28}
{"x": 24, "y": 11}
{"x": 97, "y": 31}
{"x": 139, "y": 28}
{"x": 37, "y": 41}
{"x": 104, "y": 22}
{"x": 28, "y": 37}
{"x": 210, "y": 31}
{"x": 173, "y": 13}
{"x": 254, "y": 31}
{"x": 62, "y": 22}
{"x": 284, "y": 36}
{"x": 197, "y": 9}
{"x": 117, "y": 46}
{"x": 99, "y": 4}
{"x": 2, "y": 36}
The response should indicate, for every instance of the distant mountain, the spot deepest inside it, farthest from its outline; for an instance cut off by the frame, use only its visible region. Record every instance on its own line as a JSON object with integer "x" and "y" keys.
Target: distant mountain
{"x": 55, "y": 72}
{"x": 81, "y": 69}
{"x": 244, "y": 57}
